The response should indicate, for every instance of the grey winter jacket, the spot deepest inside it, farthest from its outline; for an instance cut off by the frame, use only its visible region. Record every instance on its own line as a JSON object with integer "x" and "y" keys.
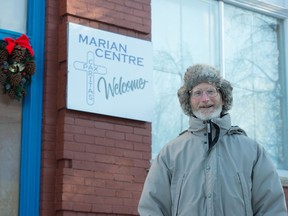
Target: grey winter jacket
{"x": 232, "y": 177}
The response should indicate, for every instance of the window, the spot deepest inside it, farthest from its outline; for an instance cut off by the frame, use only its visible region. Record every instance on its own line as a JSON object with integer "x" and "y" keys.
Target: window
{"x": 176, "y": 46}
{"x": 14, "y": 15}
{"x": 10, "y": 136}
{"x": 10, "y": 117}
{"x": 243, "y": 38}
{"x": 254, "y": 67}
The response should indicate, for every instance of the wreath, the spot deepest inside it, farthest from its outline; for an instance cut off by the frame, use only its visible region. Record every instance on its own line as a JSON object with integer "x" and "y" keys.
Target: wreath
{"x": 17, "y": 66}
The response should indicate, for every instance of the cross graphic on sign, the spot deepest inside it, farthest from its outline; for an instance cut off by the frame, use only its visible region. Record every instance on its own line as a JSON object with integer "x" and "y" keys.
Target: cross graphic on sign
{"x": 91, "y": 69}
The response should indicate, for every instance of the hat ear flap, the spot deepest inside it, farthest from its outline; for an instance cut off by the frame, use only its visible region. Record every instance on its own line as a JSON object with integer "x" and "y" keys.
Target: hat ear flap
{"x": 226, "y": 92}
{"x": 184, "y": 99}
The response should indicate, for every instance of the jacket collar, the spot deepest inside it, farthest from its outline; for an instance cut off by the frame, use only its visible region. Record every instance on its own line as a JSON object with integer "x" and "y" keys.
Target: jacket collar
{"x": 196, "y": 124}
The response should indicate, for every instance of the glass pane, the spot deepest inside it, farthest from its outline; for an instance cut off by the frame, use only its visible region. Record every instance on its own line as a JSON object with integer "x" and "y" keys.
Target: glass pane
{"x": 281, "y": 3}
{"x": 13, "y": 15}
{"x": 252, "y": 64}
{"x": 183, "y": 33}
{"x": 10, "y": 136}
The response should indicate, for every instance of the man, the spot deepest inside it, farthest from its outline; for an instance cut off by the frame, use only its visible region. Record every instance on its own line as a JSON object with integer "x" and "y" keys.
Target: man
{"x": 213, "y": 168}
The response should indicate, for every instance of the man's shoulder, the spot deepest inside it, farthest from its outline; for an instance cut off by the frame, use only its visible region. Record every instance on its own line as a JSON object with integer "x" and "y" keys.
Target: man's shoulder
{"x": 181, "y": 138}
{"x": 236, "y": 130}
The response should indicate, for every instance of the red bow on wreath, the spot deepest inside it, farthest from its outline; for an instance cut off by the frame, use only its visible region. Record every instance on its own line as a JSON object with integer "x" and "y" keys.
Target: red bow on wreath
{"x": 23, "y": 41}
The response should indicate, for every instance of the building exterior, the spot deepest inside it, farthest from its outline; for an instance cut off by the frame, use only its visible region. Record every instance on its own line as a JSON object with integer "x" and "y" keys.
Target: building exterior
{"x": 73, "y": 162}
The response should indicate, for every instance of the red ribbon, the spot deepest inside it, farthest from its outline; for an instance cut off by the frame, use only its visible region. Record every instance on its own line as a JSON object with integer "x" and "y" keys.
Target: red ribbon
{"x": 22, "y": 41}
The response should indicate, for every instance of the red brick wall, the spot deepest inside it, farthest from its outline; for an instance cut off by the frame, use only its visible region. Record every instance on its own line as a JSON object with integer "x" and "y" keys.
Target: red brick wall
{"x": 101, "y": 163}
{"x": 91, "y": 164}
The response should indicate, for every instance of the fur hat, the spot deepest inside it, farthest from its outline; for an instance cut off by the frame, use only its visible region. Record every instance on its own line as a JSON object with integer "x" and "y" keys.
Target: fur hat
{"x": 202, "y": 73}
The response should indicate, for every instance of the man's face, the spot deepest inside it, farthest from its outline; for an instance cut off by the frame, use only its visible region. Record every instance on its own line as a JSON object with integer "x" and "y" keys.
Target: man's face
{"x": 206, "y": 101}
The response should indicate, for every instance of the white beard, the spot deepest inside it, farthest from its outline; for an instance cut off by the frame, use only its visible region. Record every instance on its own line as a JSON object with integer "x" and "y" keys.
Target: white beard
{"x": 203, "y": 116}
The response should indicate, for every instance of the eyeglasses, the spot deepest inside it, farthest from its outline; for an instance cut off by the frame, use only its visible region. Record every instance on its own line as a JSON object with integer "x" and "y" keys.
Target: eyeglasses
{"x": 212, "y": 92}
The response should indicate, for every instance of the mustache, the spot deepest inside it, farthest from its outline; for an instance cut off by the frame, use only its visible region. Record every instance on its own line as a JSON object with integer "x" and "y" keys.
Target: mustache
{"x": 206, "y": 106}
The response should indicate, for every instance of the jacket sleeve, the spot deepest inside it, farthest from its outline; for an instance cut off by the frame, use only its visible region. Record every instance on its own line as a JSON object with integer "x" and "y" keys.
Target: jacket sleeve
{"x": 156, "y": 198}
{"x": 267, "y": 191}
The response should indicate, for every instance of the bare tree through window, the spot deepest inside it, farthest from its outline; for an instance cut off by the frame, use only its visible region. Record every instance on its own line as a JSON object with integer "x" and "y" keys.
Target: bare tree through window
{"x": 253, "y": 65}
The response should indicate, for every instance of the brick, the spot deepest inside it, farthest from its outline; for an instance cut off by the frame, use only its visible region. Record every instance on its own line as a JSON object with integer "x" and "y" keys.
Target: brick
{"x": 72, "y": 197}
{"x": 65, "y": 171}
{"x": 73, "y": 180}
{"x": 124, "y": 128}
{"x": 133, "y": 4}
{"x": 115, "y": 135}
{"x": 133, "y": 187}
{"x": 84, "y": 156}
{"x": 142, "y": 131}
{"x": 83, "y": 173}
{"x": 93, "y": 199}
{"x": 133, "y": 137}
{"x": 84, "y": 122}
{"x": 114, "y": 151}
{"x": 69, "y": 120}
{"x": 93, "y": 148}
{"x": 132, "y": 154}
{"x": 120, "y": 209}
{"x": 142, "y": 147}
{"x": 95, "y": 132}
{"x": 65, "y": 205}
{"x": 68, "y": 137}
{"x": 124, "y": 194}
{"x": 104, "y": 125}
{"x": 124, "y": 144}
{"x": 104, "y": 158}
{"x": 74, "y": 146}
{"x": 102, "y": 208}
{"x": 95, "y": 182}
{"x": 83, "y": 165}
{"x": 141, "y": 163}
{"x": 104, "y": 141}
{"x": 123, "y": 178}
{"x": 124, "y": 161}
{"x": 130, "y": 202}
{"x": 82, "y": 207}
{"x": 103, "y": 175}
{"x": 105, "y": 192}
{"x": 74, "y": 129}
{"x": 83, "y": 138}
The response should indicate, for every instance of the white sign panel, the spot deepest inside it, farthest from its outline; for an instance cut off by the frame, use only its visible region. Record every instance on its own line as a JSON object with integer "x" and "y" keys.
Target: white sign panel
{"x": 109, "y": 74}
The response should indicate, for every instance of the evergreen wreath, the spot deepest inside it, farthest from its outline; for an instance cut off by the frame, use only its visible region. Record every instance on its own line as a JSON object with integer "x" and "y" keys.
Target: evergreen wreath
{"x": 17, "y": 66}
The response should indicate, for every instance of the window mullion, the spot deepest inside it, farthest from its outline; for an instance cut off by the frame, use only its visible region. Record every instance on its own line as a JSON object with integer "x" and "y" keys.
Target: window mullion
{"x": 221, "y": 38}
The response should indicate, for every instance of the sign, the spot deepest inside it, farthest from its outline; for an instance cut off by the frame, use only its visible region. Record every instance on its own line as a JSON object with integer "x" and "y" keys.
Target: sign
{"x": 109, "y": 74}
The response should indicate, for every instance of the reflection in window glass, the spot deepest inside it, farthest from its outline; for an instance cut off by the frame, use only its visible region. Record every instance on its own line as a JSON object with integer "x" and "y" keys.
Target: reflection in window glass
{"x": 10, "y": 136}
{"x": 13, "y": 15}
{"x": 13, "y": 18}
{"x": 184, "y": 33}
{"x": 253, "y": 66}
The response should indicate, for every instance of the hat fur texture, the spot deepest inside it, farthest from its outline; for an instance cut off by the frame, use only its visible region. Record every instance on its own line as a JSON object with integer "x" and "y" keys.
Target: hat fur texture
{"x": 203, "y": 73}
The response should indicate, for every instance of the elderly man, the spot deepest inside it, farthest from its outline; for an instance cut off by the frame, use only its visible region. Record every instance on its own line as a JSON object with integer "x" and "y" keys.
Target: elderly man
{"x": 213, "y": 168}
